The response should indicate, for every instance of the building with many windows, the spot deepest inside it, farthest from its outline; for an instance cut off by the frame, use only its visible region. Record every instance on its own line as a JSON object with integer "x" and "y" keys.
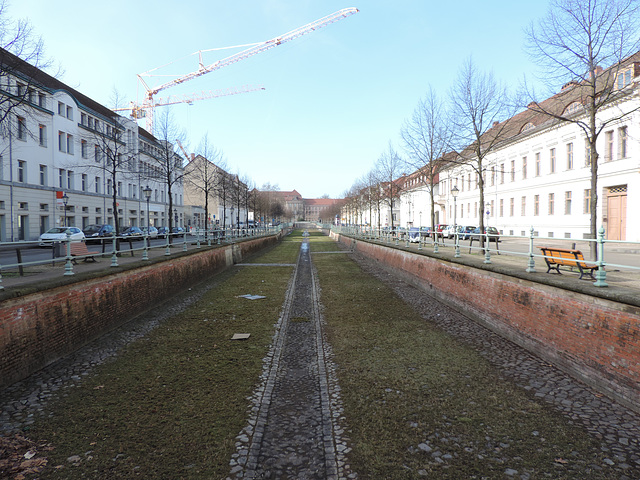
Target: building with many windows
{"x": 540, "y": 173}
{"x": 63, "y": 156}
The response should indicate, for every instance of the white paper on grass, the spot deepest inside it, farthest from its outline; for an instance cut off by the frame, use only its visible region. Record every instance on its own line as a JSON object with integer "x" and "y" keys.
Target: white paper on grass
{"x": 240, "y": 336}
{"x": 252, "y": 297}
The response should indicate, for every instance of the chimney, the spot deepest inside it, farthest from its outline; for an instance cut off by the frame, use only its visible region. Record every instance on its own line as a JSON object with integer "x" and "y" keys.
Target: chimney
{"x": 193, "y": 156}
{"x": 495, "y": 123}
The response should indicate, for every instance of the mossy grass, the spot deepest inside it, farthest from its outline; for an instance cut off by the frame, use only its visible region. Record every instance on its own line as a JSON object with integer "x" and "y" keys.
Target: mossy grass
{"x": 420, "y": 404}
{"x": 170, "y": 405}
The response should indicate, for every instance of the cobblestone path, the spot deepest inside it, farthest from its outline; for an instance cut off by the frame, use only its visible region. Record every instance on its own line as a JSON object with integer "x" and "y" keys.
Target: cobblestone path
{"x": 293, "y": 431}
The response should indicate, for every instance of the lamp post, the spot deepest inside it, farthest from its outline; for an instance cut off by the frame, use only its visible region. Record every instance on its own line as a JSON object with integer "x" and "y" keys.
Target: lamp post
{"x": 147, "y": 196}
{"x": 65, "y": 201}
{"x": 454, "y": 194}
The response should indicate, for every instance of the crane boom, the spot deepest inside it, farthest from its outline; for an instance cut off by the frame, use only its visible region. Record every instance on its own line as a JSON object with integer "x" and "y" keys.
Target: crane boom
{"x": 249, "y": 52}
{"x": 147, "y": 107}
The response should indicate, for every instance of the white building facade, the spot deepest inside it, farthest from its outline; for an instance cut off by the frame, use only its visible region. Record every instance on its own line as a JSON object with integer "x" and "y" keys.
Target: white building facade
{"x": 55, "y": 146}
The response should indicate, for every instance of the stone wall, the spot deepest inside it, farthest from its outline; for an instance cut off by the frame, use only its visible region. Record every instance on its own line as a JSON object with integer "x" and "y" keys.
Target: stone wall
{"x": 39, "y": 328}
{"x": 595, "y": 340}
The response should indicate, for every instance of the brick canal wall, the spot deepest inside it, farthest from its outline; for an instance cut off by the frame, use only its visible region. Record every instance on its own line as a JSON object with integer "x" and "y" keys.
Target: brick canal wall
{"x": 39, "y": 328}
{"x": 595, "y": 340}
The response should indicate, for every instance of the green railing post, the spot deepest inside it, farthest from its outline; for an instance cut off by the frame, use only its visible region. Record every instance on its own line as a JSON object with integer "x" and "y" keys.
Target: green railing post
{"x": 68, "y": 266}
{"x": 145, "y": 251}
{"x": 114, "y": 252}
{"x": 531, "y": 266}
{"x": 601, "y": 274}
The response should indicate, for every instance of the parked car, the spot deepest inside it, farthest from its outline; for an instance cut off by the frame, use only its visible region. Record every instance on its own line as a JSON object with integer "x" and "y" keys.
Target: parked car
{"x": 425, "y": 231}
{"x": 439, "y": 229}
{"x": 133, "y": 233}
{"x": 466, "y": 232}
{"x": 151, "y": 231}
{"x": 59, "y": 234}
{"x": 162, "y": 232}
{"x": 414, "y": 234}
{"x": 96, "y": 233}
{"x": 493, "y": 233}
{"x": 177, "y": 230}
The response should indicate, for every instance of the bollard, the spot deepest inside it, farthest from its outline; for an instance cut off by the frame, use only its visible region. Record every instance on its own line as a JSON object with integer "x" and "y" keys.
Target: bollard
{"x": 68, "y": 266}
{"x": 601, "y": 274}
{"x": 531, "y": 267}
{"x": 457, "y": 247}
{"x": 487, "y": 253}
{"x": 145, "y": 251}
{"x": 114, "y": 253}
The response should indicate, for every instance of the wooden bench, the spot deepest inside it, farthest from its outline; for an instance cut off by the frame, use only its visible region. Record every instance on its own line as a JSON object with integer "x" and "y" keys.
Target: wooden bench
{"x": 557, "y": 257}
{"x": 79, "y": 249}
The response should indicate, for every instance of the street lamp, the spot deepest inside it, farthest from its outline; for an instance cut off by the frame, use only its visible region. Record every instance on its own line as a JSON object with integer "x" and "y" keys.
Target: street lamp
{"x": 147, "y": 195}
{"x": 65, "y": 201}
{"x": 454, "y": 194}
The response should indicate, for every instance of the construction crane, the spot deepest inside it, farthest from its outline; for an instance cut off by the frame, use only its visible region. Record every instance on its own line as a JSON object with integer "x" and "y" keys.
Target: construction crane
{"x": 140, "y": 111}
{"x": 146, "y": 109}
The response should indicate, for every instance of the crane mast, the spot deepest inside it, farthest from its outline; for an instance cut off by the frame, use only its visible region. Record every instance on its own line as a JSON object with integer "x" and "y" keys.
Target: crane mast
{"x": 149, "y": 104}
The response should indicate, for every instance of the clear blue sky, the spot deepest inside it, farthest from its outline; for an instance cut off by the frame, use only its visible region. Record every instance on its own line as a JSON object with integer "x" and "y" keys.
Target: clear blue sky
{"x": 333, "y": 98}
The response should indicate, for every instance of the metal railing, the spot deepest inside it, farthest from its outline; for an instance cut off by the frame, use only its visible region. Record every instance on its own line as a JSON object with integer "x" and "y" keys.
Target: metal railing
{"x": 12, "y": 254}
{"x": 523, "y": 246}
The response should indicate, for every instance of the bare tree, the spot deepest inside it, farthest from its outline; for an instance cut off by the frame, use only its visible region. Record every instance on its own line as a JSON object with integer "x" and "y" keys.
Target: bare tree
{"x": 169, "y": 163}
{"x": 480, "y": 115}
{"x": 389, "y": 166}
{"x": 426, "y": 137}
{"x": 18, "y": 44}
{"x": 575, "y": 43}
{"x": 203, "y": 172}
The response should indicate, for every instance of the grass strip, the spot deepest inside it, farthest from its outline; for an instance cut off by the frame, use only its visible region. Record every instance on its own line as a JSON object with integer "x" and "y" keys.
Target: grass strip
{"x": 420, "y": 404}
{"x": 170, "y": 405}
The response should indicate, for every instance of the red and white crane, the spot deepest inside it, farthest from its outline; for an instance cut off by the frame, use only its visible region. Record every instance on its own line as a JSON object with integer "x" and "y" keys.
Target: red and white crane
{"x": 146, "y": 108}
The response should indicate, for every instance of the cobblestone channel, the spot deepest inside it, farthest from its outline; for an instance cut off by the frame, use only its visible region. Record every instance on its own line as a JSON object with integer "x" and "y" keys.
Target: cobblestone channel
{"x": 293, "y": 431}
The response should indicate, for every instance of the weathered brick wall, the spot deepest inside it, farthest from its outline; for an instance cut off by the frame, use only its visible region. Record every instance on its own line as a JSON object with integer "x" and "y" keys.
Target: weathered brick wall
{"x": 594, "y": 339}
{"x": 40, "y": 328}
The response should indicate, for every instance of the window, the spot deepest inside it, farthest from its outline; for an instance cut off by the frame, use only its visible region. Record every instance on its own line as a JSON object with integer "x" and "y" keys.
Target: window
{"x": 512, "y": 203}
{"x": 567, "y": 203}
{"x": 524, "y": 168}
{"x": 513, "y": 170}
{"x": 493, "y": 175}
{"x": 119, "y": 193}
{"x": 96, "y": 153}
{"x": 608, "y": 146}
{"x": 587, "y": 201}
{"x": 587, "y": 153}
{"x": 62, "y": 144}
{"x": 43, "y": 175}
{"x": 624, "y": 78}
{"x": 536, "y": 205}
{"x": 538, "y": 168}
{"x": 69, "y": 112}
{"x": 84, "y": 182}
{"x": 21, "y": 88}
{"x": 469, "y": 182}
{"x": 552, "y": 160}
{"x": 84, "y": 149}
{"x": 61, "y": 177}
{"x": 109, "y": 186}
{"x": 42, "y": 100}
{"x": 22, "y": 171}
{"x": 61, "y": 110}
{"x": 502, "y": 173}
{"x": 523, "y": 206}
{"x": 42, "y": 135}
{"x": 22, "y": 128}
{"x": 98, "y": 181}
{"x": 622, "y": 142}
{"x": 90, "y": 122}
{"x": 551, "y": 201}
{"x": 70, "y": 144}
{"x": 569, "y": 156}
{"x": 83, "y": 119}
{"x": 475, "y": 209}
{"x": 70, "y": 185}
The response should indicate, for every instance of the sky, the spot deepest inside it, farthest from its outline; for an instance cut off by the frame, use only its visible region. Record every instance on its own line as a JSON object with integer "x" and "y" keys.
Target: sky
{"x": 333, "y": 100}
